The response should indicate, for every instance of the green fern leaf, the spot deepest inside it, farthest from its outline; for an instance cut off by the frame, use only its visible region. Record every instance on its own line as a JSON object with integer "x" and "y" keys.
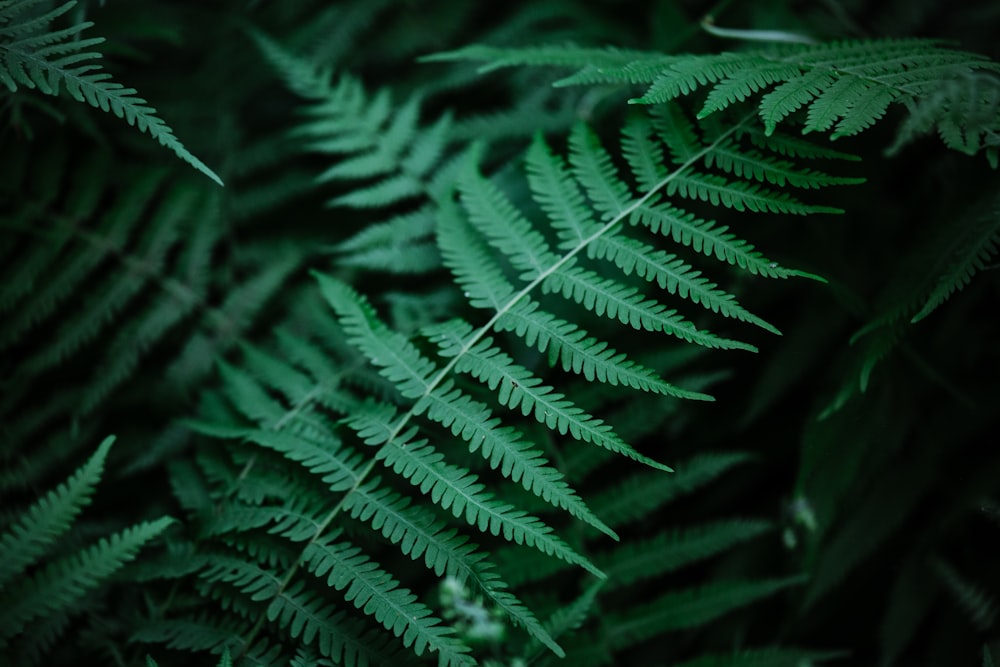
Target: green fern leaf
{"x": 764, "y": 169}
{"x": 560, "y": 55}
{"x": 690, "y": 608}
{"x": 379, "y": 145}
{"x": 577, "y": 352}
{"x": 505, "y": 228}
{"x": 49, "y": 518}
{"x": 486, "y": 287}
{"x": 336, "y": 467}
{"x": 60, "y": 584}
{"x": 846, "y": 86}
{"x": 971, "y": 251}
{"x": 475, "y": 269}
{"x": 402, "y": 244}
{"x": 708, "y": 238}
{"x": 505, "y": 449}
{"x": 419, "y": 535}
{"x": 686, "y": 75}
{"x": 616, "y": 301}
{"x": 640, "y": 495}
{"x": 740, "y": 195}
{"x": 334, "y": 633}
{"x": 645, "y": 155}
{"x": 595, "y": 171}
{"x": 740, "y": 85}
{"x": 249, "y": 397}
{"x": 673, "y": 274}
{"x": 669, "y": 551}
{"x": 375, "y": 592}
{"x": 123, "y": 260}
{"x": 678, "y": 134}
{"x": 559, "y": 195}
{"x": 205, "y": 632}
{"x": 866, "y": 108}
{"x": 399, "y": 359}
{"x": 568, "y": 193}
{"x": 34, "y": 57}
{"x": 404, "y": 365}
{"x": 792, "y": 95}
{"x": 518, "y": 389}
{"x": 965, "y": 111}
{"x": 791, "y": 146}
{"x": 461, "y": 493}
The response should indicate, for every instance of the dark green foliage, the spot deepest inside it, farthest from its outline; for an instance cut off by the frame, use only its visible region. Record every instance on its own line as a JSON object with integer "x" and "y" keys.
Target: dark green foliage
{"x": 464, "y": 368}
{"x": 36, "y": 56}
{"x": 42, "y": 596}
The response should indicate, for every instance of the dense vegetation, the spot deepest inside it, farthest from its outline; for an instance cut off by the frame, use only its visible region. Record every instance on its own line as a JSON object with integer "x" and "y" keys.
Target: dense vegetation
{"x": 585, "y": 333}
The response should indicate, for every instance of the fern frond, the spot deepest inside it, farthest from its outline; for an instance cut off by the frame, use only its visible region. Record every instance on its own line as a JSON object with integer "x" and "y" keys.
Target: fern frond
{"x": 60, "y": 584}
{"x": 36, "y": 57}
{"x": 610, "y": 298}
{"x": 766, "y": 169}
{"x": 976, "y": 245}
{"x": 978, "y": 605}
{"x": 461, "y": 493}
{"x": 49, "y": 518}
{"x": 504, "y": 448}
{"x": 377, "y": 145}
{"x": 486, "y": 287}
{"x": 572, "y": 616}
{"x": 740, "y": 195}
{"x": 517, "y": 389}
{"x": 674, "y": 275}
{"x": 411, "y": 372}
{"x": 706, "y": 237}
{"x": 379, "y": 595}
{"x": 582, "y": 354}
{"x": 504, "y": 227}
{"x": 402, "y": 244}
{"x": 964, "y": 110}
{"x": 419, "y": 535}
{"x": 205, "y": 632}
{"x": 108, "y": 274}
{"x": 335, "y": 634}
{"x": 690, "y": 608}
{"x": 636, "y": 499}
{"x": 562, "y": 198}
{"x": 672, "y": 550}
{"x": 844, "y": 86}
{"x": 638, "y": 496}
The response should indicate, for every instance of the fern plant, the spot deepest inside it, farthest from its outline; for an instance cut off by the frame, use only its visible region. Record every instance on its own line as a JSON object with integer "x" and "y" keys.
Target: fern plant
{"x": 469, "y": 463}
{"x": 587, "y": 204}
{"x": 45, "y": 576}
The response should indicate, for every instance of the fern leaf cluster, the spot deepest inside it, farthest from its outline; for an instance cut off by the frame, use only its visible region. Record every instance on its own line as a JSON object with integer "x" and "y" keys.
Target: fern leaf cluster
{"x": 452, "y": 370}
{"x": 587, "y": 204}
{"x": 43, "y": 582}
{"x": 843, "y": 87}
{"x": 102, "y": 273}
